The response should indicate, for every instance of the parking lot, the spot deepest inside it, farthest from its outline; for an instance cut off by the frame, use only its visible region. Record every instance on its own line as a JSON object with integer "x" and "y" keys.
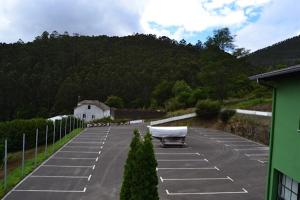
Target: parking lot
{"x": 213, "y": 165}
{"x": 88, "y": 167}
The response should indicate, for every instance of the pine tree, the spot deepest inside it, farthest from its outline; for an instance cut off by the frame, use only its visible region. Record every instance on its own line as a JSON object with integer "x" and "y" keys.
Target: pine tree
{"x": 130, "y": 166}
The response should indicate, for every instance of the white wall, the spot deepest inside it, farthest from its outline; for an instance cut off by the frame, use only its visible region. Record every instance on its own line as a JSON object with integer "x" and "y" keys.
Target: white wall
{"x": 107, "y": 113}
{"x": 96, "y": 111}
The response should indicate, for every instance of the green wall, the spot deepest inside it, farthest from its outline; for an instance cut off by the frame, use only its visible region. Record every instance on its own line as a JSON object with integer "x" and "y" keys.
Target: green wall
{"x": 285, "y": 140}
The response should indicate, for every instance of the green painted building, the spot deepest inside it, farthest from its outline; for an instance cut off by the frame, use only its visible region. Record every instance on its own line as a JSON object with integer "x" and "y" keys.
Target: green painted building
{"x": 284, "y": 160}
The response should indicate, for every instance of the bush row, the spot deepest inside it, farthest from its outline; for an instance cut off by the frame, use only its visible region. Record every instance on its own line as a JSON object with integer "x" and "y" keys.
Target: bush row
{"x": 13, "y": 131}
{"x": 109, "y": 120}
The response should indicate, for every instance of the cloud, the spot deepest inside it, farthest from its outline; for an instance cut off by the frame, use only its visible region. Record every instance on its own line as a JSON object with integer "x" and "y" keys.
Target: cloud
{"x": 257, "y": 23}
{"x": 194, "y": 16}
{"x": 28, "y": 18}
{"x": 278, "y": 21}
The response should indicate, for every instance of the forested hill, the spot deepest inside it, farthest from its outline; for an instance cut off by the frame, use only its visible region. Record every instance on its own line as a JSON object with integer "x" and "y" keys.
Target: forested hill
{"x": 46, "y": 76}
{"x": 284, "y": 53}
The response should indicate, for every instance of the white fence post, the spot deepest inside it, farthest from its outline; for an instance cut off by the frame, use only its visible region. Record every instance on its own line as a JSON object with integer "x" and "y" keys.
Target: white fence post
{"x": 53, "y": 136}
{"x": 23, "y": 154}
{"x": 36, "y": 145}
{"x": 46, "y": 145}
{"x": 5, "y": 164}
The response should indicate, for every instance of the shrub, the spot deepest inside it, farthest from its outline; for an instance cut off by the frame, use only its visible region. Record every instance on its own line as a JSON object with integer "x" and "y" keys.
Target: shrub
{"x": 173, "y": 104}
{"x": 115, "y": 101}
{"x": 226, "y": 115}
{"x": 130, "y": 168}
{"x": 207, "y": 108}
{"x": 147, "y": 164}
{"x": 140, "y": 178}
{"x": 181, "y": 86}
{"x": 13, "y": 131}
{"x": 183, "y": 98}
{"x": 102, "y": 120}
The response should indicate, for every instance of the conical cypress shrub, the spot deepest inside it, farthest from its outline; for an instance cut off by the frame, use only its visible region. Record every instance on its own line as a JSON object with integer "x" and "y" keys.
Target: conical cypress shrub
{"x": 145, "y": 180}
{"x": 149, "y": 165}
{"x": 130, "y": 166}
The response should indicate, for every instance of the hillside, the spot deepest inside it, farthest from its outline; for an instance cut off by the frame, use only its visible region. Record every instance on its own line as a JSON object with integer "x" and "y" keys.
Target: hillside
{"x": 281, "y": 54}
{"x": 46, "y": 76}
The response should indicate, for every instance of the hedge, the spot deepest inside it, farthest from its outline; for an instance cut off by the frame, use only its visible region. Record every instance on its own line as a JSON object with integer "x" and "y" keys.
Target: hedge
{"x": 13, "y": 131}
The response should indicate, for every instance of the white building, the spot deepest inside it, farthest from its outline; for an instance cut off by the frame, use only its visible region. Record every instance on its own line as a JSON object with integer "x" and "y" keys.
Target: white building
{"x": 89, "y": 110}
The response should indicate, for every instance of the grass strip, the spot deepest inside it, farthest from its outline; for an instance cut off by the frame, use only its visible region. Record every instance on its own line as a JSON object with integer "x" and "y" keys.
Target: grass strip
{"x": 15, "y": 176}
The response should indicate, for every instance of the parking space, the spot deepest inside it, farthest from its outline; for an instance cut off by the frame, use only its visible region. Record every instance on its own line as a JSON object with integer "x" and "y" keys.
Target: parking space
{"x": 68, "y": 171}
{"x": 252, "y": 150}
{"x": 210, "y": 168}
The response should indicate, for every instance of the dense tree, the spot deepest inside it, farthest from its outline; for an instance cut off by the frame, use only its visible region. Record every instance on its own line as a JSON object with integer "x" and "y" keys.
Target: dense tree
{"x": 180, "y": 87}
{"x": 221, "y": 39}
{"x": 240, "y": 52}
{"x": 114, "y": 101}
{"x": 162, "y": 92}
{"x": 182, "y": 42}
{"x": 199, "y": 44}
{"x": 45, "y": 77}
{"x": 282, "y": 53}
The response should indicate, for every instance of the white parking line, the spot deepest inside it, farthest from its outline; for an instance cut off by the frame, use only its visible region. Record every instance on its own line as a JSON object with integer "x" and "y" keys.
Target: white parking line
{"x": 86, "y": 142}
{"x": 62, "y": 191}
{"x": 68, "y": 158}
{"x": 194, "y": 179}
{"x": 244, "y": 191}
{"x": 183, "y": 160}
{"x": 188, "y": 168}
{"x": 263, "y": 161}
{"x": 241, "y": 145}
{"x": 254, "y": 149}
{"x": 159, "y": 153}
{"x": 69, "y": 166}
{"x": 91, "y": 147}
{"x": 89, "y": 137}
{"x": 233, "y": 141}
{"x": 79, "y": 151}
{"x": 255, "y": 155}
{"x": 39, "y": 176}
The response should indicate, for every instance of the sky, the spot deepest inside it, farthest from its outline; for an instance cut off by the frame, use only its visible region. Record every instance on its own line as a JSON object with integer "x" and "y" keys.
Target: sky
{"x": 255, "y": 23}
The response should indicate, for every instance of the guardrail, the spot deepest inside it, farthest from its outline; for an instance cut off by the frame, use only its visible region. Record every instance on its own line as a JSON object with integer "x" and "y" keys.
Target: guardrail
{"x": 253, "y": 112}
{"x": 136, "y": 121}
{"x": 191, "y": 115}
{"x": 171, "y": 119}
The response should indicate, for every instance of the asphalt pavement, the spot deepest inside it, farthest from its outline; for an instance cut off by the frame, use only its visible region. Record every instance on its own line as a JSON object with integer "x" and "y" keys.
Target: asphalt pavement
{"x": 213, "y": 165}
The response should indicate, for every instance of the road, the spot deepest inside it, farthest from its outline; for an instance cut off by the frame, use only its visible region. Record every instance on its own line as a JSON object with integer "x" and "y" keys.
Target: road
{"x": 214, "y": 165}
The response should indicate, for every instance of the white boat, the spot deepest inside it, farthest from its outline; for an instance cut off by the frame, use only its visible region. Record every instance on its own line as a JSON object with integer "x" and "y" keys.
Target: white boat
{"x": 174, "y": 135}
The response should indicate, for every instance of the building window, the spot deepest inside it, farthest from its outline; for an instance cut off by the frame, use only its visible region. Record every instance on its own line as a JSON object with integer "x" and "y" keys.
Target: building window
{"x": 89, "y": 106}
{"x": 288, "y": 188}
{"x": 83, "y": 116}
{"x": 93, "y": 116}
